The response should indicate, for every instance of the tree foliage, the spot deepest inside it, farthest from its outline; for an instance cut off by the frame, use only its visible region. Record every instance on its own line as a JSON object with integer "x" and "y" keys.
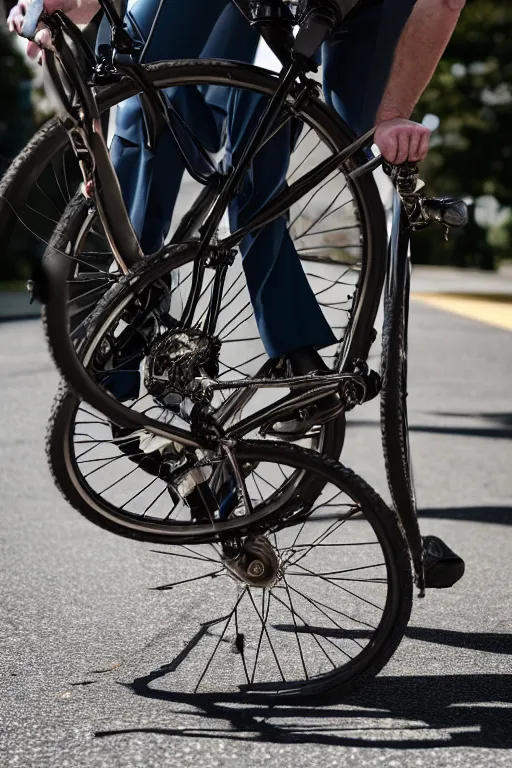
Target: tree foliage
{"x": 471, "y": 93}
{"x": 16, "y": 128}
{"x": 15, "y": 90}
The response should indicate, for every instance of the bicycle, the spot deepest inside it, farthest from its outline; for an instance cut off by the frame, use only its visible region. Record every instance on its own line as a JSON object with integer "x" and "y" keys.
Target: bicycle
{"x": 203, "y": 464}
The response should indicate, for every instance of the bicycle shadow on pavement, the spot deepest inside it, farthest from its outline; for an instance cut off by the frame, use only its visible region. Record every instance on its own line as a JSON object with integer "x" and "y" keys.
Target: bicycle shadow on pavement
{"x": 494, "y": 514}
{"x": 410, "y": 712}
{"x": 500, "y": 427}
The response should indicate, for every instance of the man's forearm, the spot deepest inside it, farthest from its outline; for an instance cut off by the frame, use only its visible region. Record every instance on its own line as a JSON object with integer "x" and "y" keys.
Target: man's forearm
{"x": 417, "y": 55}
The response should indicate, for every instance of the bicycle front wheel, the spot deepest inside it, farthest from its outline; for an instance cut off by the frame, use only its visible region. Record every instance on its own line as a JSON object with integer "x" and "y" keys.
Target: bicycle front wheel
{"x": 393, "y": 412}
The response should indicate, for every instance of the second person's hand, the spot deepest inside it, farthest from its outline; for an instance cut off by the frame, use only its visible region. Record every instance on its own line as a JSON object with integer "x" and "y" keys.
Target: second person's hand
{"x": 79, "y": 11}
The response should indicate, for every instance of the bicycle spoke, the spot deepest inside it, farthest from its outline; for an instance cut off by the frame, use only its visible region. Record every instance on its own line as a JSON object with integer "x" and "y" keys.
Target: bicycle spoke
{"x": 296, "y": 633}
{"x": 44, "y": 242}
{"x": 209, "y": 575}
{"x": 329, "y": 211}
{"x": 233, "y": 298}
{"x": 263, "y": 480}
{"x": 336, "y": 525}
{"x": 351, "y": 570}
{"x": 65, "y": 199}
{"x": 234, "y": 319}
{"x": 337, "y": 309}
{"x": 334, "y": 610}
{"x": 151, "y": 482}
{"x": 344, "y": 589}
{"x": 312, "y": 633}
{"x": 159, "y": 496}
{"x": 341, "y": 544}
{"x": 120, "y": 480}
{"x": 228, "y": 622}
{"x": 40, "y": 213}
{"x": 48, "y": 199}
{"x": 187, "y": 557}
{"x": 315, "y": 193}
{"x": 109, "y": 462}
{"x": 90, "y": 421}
{"x": 316, "y": 605}
{"x": 264, "y": 630}
{"x": 65, "y": 175}
{"x": 327, "y": 247}
{"x": 82, "y": 296}
{"x": 326, "y": 212}
{"x": 239, "y": 642}
{"x": 239, "y": 341}
{"x": 328, "y": 231}
{"x": 304, "y": 160}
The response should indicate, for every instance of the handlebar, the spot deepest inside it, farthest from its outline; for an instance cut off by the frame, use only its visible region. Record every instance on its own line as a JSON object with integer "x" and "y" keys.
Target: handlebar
{"x": 446, "y": 210}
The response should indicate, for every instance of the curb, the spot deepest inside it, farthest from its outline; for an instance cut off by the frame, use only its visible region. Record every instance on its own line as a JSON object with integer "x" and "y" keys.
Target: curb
{"x": 15, "y": 305}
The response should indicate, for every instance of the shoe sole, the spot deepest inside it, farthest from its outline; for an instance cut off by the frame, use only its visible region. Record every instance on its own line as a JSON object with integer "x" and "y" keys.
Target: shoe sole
{"x": 444, "y": 575}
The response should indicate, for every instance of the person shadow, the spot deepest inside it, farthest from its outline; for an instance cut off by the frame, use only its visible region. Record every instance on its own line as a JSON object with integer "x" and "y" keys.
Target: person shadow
{"x": 399, "y": 712}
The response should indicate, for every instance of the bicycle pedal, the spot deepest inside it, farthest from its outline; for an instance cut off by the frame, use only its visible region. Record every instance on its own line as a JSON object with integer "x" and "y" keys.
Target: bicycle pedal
{"x": 291, "y": 437}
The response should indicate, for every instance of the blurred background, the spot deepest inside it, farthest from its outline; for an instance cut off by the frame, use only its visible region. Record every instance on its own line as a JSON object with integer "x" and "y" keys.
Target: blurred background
{"x": 471, "y": 95}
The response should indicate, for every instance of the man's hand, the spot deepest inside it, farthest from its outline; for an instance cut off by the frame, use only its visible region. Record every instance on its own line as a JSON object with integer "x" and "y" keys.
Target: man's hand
{"x": 401, "y": 140}
{"x": 79, "y": 11}
{"x": 417, "y": 54}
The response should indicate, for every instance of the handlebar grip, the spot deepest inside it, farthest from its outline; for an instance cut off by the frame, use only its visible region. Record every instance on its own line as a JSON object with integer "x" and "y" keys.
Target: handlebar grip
{"x": 32, "y": 18}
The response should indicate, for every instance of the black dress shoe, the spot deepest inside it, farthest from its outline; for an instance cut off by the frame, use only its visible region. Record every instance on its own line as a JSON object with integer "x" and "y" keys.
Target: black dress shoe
{"x": 302, "y": 362}
{"x": 443, "y": 568}
{"x": 305, "y": 420}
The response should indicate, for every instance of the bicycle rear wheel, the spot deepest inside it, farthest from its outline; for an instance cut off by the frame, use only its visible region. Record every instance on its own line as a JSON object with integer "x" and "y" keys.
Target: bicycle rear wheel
{"x": 338, "y": 229}
{"x": 334, "y": 597}
{"x": 338, "y": 221}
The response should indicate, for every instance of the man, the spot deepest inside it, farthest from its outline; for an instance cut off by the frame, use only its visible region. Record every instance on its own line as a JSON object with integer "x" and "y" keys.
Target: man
{"x": 375, "y": 69}
{"x": 361, "y": 81}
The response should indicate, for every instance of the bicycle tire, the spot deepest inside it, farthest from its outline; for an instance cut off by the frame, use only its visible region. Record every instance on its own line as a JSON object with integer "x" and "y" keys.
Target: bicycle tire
{"x": 384, "y": 523}
{"x": 59, "y": 443}
{"x": 29, "y": 165}
{"x": 393, "y": 410}
{"x": 329, "y": 125}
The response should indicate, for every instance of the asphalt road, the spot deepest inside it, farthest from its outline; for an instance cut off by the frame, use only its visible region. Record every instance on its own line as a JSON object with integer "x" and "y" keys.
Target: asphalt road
{"x": 83, "y": 640}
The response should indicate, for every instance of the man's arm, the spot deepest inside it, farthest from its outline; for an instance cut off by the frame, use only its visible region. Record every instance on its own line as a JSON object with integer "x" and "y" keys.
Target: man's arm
{"x": 421, "y": 45}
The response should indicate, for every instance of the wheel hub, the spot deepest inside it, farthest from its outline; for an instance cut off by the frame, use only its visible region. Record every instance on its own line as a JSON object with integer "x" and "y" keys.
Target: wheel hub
{"x": 257, "y": 564}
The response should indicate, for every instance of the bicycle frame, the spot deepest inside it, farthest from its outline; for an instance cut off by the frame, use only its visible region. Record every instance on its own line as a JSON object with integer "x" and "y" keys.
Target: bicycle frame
{"x": 80, "y": 71}
{"x": 81, "y": 119}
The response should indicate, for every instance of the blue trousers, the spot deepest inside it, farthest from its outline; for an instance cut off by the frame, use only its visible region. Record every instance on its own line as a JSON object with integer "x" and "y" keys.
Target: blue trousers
{"x": 356, "y": 65}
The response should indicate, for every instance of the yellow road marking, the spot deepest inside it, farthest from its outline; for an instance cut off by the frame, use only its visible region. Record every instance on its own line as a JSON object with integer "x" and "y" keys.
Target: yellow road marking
{"x": 492, "y": 309}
